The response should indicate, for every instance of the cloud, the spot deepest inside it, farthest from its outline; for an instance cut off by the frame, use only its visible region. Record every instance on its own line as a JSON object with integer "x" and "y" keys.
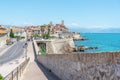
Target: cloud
{"x": 97, "y": 27}
{"x": 74, "y": 24}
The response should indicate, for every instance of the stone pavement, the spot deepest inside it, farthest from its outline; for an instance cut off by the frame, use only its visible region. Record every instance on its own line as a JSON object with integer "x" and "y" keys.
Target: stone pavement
{"x": 34, "y": 70}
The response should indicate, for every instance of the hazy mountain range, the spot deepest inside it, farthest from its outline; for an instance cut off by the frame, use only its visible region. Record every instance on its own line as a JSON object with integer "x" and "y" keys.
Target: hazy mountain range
{"x": 96, "y": 30}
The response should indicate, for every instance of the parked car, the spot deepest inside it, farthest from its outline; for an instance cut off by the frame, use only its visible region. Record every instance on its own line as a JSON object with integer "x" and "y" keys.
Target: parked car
{"x": 10, "y": 43}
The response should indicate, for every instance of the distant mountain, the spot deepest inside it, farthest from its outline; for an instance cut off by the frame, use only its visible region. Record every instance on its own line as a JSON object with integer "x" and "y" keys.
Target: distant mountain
{"x": 96, "y": 30}
{"x": 112, "y": 30}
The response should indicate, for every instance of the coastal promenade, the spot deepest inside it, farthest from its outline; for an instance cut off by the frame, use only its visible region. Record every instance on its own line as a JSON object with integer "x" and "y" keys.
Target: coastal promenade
{"x": 34, "y": 70}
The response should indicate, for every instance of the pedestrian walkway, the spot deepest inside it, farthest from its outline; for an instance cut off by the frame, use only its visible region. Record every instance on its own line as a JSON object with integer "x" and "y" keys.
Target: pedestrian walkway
{"x": 34, "y": 70}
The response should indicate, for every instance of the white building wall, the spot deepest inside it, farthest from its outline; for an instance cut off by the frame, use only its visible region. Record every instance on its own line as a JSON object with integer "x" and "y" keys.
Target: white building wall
{"x": 3, "y": 40}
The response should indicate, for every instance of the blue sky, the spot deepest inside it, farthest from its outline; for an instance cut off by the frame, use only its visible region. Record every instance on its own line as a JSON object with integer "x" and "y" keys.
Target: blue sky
{"x": 76, "y": 13}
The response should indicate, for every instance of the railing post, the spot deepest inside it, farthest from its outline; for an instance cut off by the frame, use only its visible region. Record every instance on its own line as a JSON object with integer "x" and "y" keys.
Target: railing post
{"x": 12, "y": 75}
{"x": 17, "y": 73}
{"x": 20, "y": 70}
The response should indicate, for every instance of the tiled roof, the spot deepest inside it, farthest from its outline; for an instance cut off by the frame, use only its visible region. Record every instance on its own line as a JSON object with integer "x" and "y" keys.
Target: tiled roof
{"x": 16, "y": 29}
{"x": 3, "y": 31}
{"x": 35, "y": 28}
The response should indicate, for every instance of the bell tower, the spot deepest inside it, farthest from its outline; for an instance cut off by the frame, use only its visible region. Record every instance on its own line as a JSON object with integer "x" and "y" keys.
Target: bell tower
{"x": 62, "y": 23}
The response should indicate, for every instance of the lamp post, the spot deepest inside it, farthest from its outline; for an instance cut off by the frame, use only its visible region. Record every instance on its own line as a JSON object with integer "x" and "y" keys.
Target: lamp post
{"x": 26, "y": 53}
{"x": 26, "y": 45}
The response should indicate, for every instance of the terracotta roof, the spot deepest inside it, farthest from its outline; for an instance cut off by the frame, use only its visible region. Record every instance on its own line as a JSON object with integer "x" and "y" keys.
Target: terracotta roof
{"x": 65, "y": 28}
{"x": 3, "y": 31}
{"x": 16, "y": 29}
{"x": 35, "y": 28}
{"x": 60, "y": 28}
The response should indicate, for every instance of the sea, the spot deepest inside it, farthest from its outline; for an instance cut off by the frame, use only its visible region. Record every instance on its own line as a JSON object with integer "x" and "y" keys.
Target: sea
{"x": 106, "y": 42}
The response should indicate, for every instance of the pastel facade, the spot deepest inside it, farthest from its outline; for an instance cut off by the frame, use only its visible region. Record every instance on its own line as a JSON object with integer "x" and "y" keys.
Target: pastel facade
{"x": 19, "y": 31}
{"x": 32, "y": 30}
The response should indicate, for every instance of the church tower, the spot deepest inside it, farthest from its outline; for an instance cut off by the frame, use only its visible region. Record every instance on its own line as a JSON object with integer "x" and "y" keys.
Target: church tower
{"x": 51, "y": 23}
{"x": 62, "y": 23}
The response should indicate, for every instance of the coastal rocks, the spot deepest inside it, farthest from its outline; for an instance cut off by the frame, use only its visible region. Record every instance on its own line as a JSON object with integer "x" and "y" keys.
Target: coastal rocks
{"x": 91, "y": 48}
{"x": 79, "y": 39}
{"x": 82, "y": 48}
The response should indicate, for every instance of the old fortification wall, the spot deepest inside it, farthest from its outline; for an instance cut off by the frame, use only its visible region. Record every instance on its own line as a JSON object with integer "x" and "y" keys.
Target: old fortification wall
{"x": 55, "y": 46}
{"x": 59, "y": 44}
{"x": 36, "y": 47}
{"x": 87, "y": 66}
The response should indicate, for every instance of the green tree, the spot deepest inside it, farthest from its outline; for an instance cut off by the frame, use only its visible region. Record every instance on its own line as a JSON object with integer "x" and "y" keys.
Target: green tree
{"x": 11, "y": 33}
{"x": 35, "y": 35}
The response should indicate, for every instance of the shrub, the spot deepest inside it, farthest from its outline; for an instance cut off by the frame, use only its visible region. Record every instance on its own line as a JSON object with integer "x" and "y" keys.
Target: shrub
{"x": 43, "y": 51}
{"x": 1, "y": 77}
{"x": 15, "y": 36}
{"x": 22, "y": 37}
{"x": 46, "y": 36}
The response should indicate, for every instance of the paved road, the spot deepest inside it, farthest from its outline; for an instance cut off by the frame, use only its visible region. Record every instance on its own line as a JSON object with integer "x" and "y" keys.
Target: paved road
{"x": 13, "y": 53}
{"x": 3, "y": 47}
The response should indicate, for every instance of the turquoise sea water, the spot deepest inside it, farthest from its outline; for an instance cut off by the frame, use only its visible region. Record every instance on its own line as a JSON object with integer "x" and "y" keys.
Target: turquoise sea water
{"x": 104, "y": 41}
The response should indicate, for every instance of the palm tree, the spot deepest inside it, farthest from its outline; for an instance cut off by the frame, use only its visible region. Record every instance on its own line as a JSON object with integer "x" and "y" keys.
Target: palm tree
{"x": 43, "y": 29}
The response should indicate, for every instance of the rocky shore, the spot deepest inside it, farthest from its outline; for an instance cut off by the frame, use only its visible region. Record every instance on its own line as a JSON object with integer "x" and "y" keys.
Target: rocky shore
{"x": 79, "y": 38}
{"x": 83, "y": 48}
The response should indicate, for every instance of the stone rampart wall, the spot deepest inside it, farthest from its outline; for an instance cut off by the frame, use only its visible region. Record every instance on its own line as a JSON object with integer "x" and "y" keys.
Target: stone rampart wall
{"x": 87, "y": 66}
{"x": 62, "y": 43}
{"x": 55, "y": 46}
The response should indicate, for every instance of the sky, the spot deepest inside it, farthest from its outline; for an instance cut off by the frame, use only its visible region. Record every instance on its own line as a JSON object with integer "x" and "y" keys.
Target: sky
{"x": 77, "y": 14}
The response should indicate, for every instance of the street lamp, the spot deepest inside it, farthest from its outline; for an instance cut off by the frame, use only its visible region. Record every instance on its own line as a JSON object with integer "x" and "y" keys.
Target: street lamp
{"x": 25, "y": 46}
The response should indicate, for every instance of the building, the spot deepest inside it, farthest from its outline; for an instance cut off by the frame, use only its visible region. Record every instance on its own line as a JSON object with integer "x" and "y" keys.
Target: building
{"x": 19, "y": 31}
{"x": 32, "y": 31}
{"x": 52, "y": 29}
{"x": 3, "y": 35}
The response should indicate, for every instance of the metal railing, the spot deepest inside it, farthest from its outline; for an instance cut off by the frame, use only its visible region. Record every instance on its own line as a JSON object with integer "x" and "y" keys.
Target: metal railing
{"x": 17, "y": 72}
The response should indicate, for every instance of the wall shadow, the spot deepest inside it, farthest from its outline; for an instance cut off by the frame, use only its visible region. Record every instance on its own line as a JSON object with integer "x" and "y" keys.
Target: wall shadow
{"x": 48, "y": 73}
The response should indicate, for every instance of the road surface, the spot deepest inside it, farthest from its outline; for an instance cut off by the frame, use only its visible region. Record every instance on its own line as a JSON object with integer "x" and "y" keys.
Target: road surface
{"x": 13, "y": 53}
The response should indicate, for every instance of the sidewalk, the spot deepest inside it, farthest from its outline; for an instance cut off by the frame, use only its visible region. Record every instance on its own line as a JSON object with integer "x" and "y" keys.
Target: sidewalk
{"x": 34, "y": 71}
{"x": 3, "y": 48}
